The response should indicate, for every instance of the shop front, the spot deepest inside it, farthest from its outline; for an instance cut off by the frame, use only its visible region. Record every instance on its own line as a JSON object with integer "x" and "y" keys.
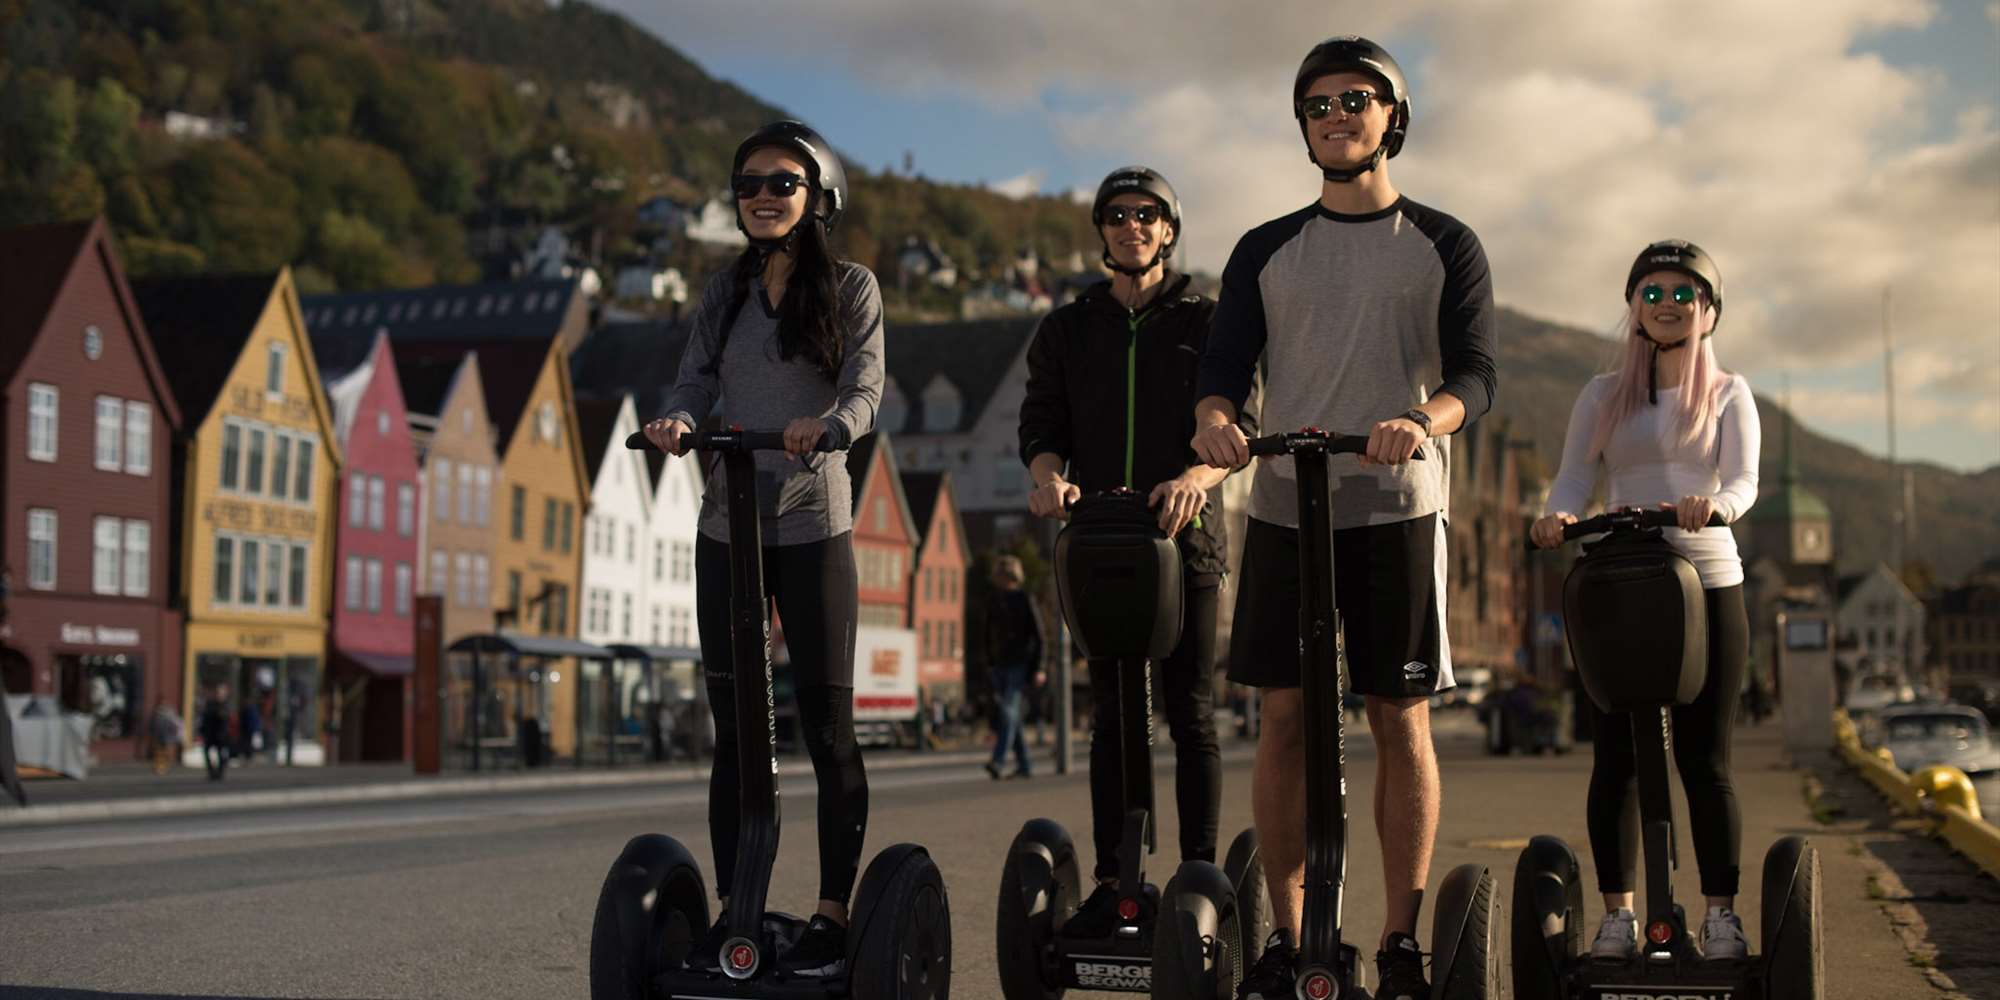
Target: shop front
{"x": 271, "y": 680}
{"x": 112, "y": 661}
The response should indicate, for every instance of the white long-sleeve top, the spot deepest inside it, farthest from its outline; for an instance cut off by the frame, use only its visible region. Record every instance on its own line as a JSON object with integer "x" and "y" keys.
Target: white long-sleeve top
{"x": 1648, "y": 466}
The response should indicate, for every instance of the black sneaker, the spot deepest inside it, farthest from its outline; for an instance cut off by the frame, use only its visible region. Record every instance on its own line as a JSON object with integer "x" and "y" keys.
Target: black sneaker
{"x": 706, "y": 952}
{"x": 820, "y": 951}
{"x": 1400, "y": 968}
{"x": 993, "y": 770}
{"x": 1275, "y": 975}
{"x": 1097, "y": 917}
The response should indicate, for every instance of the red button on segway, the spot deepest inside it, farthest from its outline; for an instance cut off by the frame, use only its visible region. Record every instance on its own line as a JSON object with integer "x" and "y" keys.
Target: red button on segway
{"x": 742, "y": 956}
{"x": 1319, "y": 987}
{"x": 1128, "y": 909}
{"x": 1659, "y": 932}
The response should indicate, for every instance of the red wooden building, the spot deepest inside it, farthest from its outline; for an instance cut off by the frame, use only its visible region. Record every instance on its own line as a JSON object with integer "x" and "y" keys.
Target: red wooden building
{"x": 937, "y": 588}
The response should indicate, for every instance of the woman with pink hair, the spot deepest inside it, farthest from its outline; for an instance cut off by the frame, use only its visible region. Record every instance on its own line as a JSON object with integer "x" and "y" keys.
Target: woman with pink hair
{"x": 1670, "y": 428}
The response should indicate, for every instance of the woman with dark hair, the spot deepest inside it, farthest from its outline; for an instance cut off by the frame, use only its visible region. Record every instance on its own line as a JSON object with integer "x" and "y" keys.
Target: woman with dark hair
{"x": 1669, "y": 427}
{"x": 791, "y": 337}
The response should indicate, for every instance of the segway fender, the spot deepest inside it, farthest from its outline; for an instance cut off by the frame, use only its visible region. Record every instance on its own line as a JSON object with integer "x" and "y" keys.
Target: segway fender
{"x": 1033, "y": 855}
{"x": 1551, "y": 875}
{"x": 1453, "y": 911}
{"x": 1781, "y": 868}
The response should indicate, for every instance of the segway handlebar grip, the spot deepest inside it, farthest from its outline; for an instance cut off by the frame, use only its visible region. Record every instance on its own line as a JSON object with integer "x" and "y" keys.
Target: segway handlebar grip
{"x": 1630, "y": 518}
{"x": 1314, "y": 439}
{"x": 731, "y": 440}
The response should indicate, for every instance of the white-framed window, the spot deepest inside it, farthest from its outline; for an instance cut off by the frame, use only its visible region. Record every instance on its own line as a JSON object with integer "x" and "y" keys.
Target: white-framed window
{"x": 281, "y": 465}
{"x": 232, "y": 453}
{"x": 631, "y": 546}
{"x": 253, "y": 462}
{"x": 406, "y": 509}
{"x": 482, "y": 508}
{"x": 43, "y": 402}
{"x": 659, "y": 565}
{"x": 441, "y": 488}
{"x": 138, "y": 558}
{"x": 439, "y": 583}
{"x": 655, "y": 632}
{"x": 297, "y": 584}
{"x": 303, "y": 479}
{"x": 357, "y": 500}
{"x": 465, "y": 494}
{"x": 138, "y": 438}
{"x": 110, "y": 433}
{"x": 105, "y": 532}
{"x": 274, "y": 369}
{"x": 354, "y": 582}
{"x": 403, "y": 589}
{"x": 224, "y": 588}
{"x": 683, "y": 562}
{"x": 480, "y": 583}
{"x": 374, "y": 585}
{"x": 251, "y": 554}
{"x": 41, "y": 548}
{"x": 462, "y": 564}
{"x": 274, "y": 574}
{"x": 376, "y": 490}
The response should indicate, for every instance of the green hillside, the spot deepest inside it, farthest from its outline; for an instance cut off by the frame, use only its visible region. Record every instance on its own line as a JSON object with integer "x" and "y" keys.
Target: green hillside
{"x": 364, "y": 141}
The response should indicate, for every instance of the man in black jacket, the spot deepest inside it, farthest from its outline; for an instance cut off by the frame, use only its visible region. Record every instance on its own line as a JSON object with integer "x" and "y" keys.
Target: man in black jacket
{"x": 1110, "y": 403}
{"x": 1013, "y": 646}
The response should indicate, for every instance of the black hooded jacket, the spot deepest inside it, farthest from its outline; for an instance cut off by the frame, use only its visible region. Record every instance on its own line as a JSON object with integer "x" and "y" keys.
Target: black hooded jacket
{"x": 1112, "y": 392}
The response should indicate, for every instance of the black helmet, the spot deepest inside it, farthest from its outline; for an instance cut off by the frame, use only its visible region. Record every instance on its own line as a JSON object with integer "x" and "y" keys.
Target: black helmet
{"x": 829, "y": 177}
{"x": 1682, "y": 256}
{"x": 1354, "y": 54}
{"x": 1138, "y": 180}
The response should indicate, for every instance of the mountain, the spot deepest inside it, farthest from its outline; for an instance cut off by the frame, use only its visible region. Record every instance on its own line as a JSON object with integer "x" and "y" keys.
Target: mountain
{"x": 1956, "y": 516}
{"x": 376, "y": 143}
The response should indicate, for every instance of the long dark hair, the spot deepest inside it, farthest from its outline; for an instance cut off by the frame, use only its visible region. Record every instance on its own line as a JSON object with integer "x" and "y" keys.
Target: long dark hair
{"x": 809, "y": 315}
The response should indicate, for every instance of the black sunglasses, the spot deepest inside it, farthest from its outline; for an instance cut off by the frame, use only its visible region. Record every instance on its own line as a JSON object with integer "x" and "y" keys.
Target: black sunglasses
{"x": 1117, "y": 214}
{"x": 780, "y": 184}
{"x": 1654, "y": 294}
{"x": 1351, "y": 101}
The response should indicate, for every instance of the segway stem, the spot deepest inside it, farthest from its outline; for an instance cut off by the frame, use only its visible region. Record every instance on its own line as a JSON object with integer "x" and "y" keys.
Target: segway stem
{"x": 756, "y": 712}
{"x": 1135, "y": 697}
{"x": 1325, "y": 728}
{"x": 1652, "y": 747}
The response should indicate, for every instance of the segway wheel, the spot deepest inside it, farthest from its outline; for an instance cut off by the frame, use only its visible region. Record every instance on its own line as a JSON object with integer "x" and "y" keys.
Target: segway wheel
{"x": 1548, "y": 918}
{"x": 1793, "y": 951}
{"x": 900, "y": 944}
{"x": 649, "y": 913}
{"x": 1038, "y": 892}
{"x": 1466, "y": 962}
{"x": 1198, "y": 938}
{"x": 1244, "y": 867}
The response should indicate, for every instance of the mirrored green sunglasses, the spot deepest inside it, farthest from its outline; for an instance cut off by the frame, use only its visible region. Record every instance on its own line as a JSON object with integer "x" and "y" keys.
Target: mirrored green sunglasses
{"x": 1683, "y": 294}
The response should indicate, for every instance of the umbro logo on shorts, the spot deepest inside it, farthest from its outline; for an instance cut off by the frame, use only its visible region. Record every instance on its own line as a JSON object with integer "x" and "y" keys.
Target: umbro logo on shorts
{"x": 1415, "y": 670}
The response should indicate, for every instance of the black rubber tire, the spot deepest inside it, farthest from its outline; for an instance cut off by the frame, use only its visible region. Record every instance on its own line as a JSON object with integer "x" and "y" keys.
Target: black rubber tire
{"x": 1547, "y": 897}
{"x": 904, "y": 951}
{"x": 1244, "y": 867}
{"x": 1794, "y": 952}
{"x": 1475, "y": 965}
{"x": 1186, "y": 964}
{"x": 1033, "y": 903}
{"x": 652, "y": 908}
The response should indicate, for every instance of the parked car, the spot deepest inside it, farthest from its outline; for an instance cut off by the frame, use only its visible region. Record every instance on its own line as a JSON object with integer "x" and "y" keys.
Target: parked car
{"x": 1920, "y": 736}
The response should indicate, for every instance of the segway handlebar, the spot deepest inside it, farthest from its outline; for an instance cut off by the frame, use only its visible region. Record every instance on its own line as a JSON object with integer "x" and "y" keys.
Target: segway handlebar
{"x": 1628, "y": 519}
{"x": 1313, "y": 439}
{"x": 734, "y": 439}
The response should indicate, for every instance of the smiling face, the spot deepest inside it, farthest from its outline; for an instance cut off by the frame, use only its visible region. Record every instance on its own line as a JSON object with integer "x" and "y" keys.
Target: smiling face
{"x": 1344, "y": 139}
{"x": 1668, "y": 321}
{"x": 767, "y": 216}
{"x": 1134, "y": 243}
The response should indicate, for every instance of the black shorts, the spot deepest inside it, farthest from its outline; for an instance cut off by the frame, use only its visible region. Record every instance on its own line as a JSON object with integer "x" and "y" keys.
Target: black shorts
{"x": 1388, "y": 580}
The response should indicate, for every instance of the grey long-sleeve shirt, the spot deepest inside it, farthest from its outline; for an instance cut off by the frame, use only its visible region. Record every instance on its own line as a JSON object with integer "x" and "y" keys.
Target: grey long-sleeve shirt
{"x": 755, "y": 388}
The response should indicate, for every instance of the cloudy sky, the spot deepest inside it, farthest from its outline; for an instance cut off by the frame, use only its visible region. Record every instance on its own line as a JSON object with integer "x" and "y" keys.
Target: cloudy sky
{"x": 1823, "y": 150}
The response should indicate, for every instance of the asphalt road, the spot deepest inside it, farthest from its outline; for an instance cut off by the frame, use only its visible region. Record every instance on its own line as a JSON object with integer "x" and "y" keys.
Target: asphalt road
{"x": 493, "y": 896}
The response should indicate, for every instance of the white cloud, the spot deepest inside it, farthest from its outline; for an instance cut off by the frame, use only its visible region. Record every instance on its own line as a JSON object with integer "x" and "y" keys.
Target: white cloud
{"x": 1567, "y": 134}
{"x": 1021, "y": 186}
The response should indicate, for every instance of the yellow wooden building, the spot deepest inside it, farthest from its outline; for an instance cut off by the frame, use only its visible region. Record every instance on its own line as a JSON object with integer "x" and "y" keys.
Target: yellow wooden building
{"x": 255, "y": 498}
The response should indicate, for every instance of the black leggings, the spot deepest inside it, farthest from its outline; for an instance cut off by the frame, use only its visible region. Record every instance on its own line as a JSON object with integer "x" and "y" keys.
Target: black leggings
{"x": 1701, "y": 754}
{"x": 814, "y": 585}
{"x": 1184, "y": 685}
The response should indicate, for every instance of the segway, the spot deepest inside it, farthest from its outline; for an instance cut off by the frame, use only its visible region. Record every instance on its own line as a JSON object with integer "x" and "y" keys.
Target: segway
{"x": 654, "y": 907}
{"x": 1465, "y": 962}
{"x": 1638, "y": 632}
{"x": 1120, "y": 581}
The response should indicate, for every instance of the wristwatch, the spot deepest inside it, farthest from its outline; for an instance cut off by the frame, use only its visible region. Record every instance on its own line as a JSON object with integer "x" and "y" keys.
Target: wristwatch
{"x": 1420, "y": 418}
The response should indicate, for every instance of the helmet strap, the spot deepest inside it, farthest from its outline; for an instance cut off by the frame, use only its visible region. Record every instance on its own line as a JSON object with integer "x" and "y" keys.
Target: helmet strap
{"x": 1347, "y": 175}
{"x": 1653, "y": 361}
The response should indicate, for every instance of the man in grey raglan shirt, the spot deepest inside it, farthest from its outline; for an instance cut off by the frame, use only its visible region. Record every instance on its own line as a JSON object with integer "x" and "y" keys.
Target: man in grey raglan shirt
{"x": 1375, "y": 316}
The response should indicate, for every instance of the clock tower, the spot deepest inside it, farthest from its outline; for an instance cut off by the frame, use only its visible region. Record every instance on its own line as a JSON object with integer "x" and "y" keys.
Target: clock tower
{"x": 1792, "y": 527}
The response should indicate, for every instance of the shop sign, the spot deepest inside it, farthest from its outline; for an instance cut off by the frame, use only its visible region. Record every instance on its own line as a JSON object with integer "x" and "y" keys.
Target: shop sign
{"x": 260, "y": 640}
{"x": 99, "y": 635}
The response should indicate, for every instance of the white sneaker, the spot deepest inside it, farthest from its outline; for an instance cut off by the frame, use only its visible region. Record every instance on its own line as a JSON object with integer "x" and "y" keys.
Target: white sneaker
{"x": 1722, "y": 935}
{"x": 1617, "y": 936}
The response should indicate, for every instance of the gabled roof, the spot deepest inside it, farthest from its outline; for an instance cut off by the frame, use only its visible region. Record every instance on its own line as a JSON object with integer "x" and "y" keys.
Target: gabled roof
{"x": 507, "y": 372}
{"x": 35, "y": 262}
{"x": 975, "y": 357}
{"x": 861, "y": 457}
{"x": 504, "y": 310}
{"x": 199, "y": 326}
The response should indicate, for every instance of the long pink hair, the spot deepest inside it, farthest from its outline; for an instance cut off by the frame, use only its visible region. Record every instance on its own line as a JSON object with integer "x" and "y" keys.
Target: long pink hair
{"x": 1698, "y": 368}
